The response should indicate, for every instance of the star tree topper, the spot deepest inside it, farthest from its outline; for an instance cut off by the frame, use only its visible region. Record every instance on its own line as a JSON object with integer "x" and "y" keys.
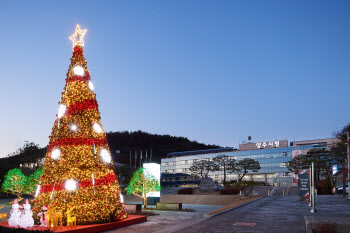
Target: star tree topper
{"x": 78, "y": 37}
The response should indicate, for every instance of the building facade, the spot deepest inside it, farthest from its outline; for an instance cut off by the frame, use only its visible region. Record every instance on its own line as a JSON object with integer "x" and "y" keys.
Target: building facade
{"x": 273, "y": 157}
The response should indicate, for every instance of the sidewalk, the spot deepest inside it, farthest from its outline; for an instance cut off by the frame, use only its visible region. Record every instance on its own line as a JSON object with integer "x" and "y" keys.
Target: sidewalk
{"x": 330, "y": 209}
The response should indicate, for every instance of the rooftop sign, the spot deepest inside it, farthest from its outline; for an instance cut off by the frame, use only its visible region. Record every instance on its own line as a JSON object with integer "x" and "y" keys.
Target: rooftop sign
{"x": 263, "y": 145}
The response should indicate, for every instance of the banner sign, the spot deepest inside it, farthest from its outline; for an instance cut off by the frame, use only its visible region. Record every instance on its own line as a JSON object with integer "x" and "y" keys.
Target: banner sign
{"x": 334, "y": 169}
{"x": 304, "y": 185}
{"x": 154, "y": 169}
{"x": 296, "y": 153}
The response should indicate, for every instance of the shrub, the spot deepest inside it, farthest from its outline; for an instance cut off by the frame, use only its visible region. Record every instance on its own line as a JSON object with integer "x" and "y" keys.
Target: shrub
{"x": 230, "y": 191}
{"x": 185, "y": 191}
{"x": 325, "y": 228}
{"x": 245, "y": 184}
{"x": 324, "y": 187}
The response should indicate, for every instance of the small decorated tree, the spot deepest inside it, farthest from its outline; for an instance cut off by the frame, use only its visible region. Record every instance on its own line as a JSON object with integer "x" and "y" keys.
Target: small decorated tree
{"x": 33, "y": 181}
{"x": 141, "y": 184}
{"x": 15, "y": 182}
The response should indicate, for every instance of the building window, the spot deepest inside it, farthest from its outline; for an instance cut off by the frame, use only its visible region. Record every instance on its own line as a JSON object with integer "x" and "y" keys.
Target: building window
{"x": 186, "y": 161}
{"x": 284, "y": 153}
{"x": 166, "y": 163}
{"x": 195, "y": 160}
{"x": 185, "y": 169}
{"x": 216, "y": 176}
{"x": 174, "y": 170}
{"x": 166, "y": 171}
{"x": 207, "y": 159}
{"x": 174, "y": 163}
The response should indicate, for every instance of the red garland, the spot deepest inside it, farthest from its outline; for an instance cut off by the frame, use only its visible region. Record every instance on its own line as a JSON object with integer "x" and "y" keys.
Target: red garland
{"x": 82, "y": 184}
{"x": 83, "y": 105}
{"x": 76, "y": 142}
{"x": 74, "y": 78}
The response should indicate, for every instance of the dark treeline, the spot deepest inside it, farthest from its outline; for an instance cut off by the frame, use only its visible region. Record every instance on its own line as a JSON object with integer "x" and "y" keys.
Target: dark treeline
{"x": 160, "y": 145}
{"x": 31, "y": 153}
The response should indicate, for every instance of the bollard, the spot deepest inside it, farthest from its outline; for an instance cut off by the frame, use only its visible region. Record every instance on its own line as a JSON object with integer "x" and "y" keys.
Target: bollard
{"x": 253, "y": 192}
{"x": 283, "y": 192}
{"x": 240, "y": 192}
{"x": 268, "y": 192}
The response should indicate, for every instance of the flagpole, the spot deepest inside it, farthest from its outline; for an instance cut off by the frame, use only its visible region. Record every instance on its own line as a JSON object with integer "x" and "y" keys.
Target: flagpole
{"x": 150, "y": 158}
{"x": 141, "y": 159}
{"x": 135, "y": 158}
{"x": 130, "y": 158}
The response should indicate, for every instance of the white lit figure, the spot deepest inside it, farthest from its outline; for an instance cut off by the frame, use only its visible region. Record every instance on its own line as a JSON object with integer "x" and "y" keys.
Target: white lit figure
{"x": 55, "y": 154}
{"x": 61, "y": 110}
{"x": 74, "y": 127}
{"x": 121, "y": 198}
{"x": 71, "y": 185}
{"x": 105, "y": 156}
{"x": 78, "y": 70}
{"x": 97, "y": 128}
{"x": 91, "y": 85}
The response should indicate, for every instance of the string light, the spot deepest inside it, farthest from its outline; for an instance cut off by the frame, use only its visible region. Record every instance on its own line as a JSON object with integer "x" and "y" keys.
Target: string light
{"x": 61, "y": 110}
{"x": 71, "y": 185}
{"x": 97, "y": 128}
{"x": 74, "y": 127}
{"x": 78, "y": 70}
{"x": 105, "y": 156}
{"x": 91, "y": 85}
{"x": 55, "y": 154}
{"x": 37, "y": 190}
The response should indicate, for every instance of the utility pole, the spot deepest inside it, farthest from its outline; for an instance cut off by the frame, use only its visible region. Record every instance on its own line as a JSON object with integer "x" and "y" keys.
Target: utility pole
{"x": 348, "y": 151}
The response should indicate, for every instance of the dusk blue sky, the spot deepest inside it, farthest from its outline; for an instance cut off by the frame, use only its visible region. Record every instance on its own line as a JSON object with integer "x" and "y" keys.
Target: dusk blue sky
{"x": 213, "y": 71}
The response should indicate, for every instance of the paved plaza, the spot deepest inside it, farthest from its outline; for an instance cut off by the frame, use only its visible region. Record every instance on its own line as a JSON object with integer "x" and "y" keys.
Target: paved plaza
{"x": 273, "y": 214}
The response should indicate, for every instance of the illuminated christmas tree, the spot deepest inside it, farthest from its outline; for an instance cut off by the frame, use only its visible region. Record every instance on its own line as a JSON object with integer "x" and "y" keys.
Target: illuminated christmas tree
{"x": 78, "y": 170}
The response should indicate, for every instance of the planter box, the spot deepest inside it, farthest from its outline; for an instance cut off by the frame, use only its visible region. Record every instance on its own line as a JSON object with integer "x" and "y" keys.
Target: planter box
{"x": 132, "y": 208}
{"x": 169, "y": 206}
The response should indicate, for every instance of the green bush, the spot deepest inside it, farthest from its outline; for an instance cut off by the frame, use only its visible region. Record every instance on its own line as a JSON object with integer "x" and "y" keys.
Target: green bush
{"x": 185, "y": 191}
{"x": 21, "y": 230}
{"x": 230, "y": 191}
{"x": 245, "y": 184}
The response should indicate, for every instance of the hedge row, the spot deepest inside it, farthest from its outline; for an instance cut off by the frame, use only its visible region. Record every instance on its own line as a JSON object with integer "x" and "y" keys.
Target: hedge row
{"x": 185, "y": 191}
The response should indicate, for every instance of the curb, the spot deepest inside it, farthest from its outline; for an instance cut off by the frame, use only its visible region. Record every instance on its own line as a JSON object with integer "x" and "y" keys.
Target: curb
{"x": 307, "y": 225}
{"x": 210, "y": 216}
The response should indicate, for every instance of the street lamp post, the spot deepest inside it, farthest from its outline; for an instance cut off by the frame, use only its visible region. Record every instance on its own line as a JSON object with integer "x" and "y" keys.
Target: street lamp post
{"x": 348, "y": 152}
{"x": 310, "y": 186}
{"x": 313, "y": 210}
